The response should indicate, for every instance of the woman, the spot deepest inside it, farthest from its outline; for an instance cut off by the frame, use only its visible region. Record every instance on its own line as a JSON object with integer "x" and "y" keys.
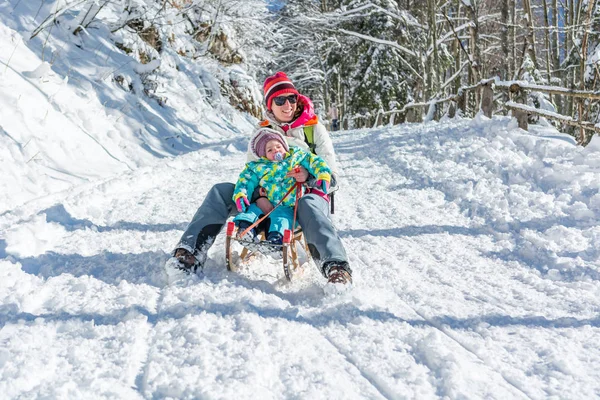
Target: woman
{"x": 291, "y": 114}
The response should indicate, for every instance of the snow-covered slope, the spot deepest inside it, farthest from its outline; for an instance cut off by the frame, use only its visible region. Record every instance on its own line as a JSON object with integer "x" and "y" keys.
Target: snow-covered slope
{"x": 75, "y": 108}
{"x": 475, "y": 254}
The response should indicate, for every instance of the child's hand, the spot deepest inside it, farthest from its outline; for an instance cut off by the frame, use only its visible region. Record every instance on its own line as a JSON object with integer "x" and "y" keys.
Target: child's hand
{"x": 242, "y": 203}
{"x": 300, "y": 174}
{"x": 322, "y": 185}
{"x": 264, "y": 204}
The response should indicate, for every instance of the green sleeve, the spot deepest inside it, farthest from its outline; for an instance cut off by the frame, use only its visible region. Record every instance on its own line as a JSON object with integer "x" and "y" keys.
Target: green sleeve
{"x": 246, "y": 183}
{"x": 316, "y": 166}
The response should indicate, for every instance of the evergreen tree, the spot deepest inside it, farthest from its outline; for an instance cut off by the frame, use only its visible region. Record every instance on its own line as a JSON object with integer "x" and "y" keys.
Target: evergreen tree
{"x": 377, "y": 58}
{"x": 303, "y": 41}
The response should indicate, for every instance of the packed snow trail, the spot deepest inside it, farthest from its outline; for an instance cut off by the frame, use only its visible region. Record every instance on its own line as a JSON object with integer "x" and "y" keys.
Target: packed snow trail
{"x": 474, "y": 247}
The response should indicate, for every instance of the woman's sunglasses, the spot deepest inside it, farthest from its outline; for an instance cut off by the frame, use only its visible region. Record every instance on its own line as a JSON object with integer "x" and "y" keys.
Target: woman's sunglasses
{"x": 280, "y": 100}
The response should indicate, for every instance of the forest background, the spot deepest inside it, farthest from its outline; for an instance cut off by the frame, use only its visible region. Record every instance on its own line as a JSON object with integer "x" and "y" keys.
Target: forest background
{"x": 368, "y": 58}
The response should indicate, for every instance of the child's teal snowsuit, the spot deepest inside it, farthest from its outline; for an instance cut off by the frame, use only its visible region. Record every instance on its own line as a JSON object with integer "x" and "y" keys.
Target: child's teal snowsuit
{"x": 271, "y": 175}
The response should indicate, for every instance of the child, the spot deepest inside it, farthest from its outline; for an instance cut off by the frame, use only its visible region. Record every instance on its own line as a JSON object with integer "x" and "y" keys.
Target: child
{"x": 275, "y": 162}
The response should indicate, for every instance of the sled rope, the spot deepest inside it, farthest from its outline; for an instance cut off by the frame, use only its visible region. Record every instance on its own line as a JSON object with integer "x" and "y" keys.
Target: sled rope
{"x": 298, "y": 195}
{"x": 297, "y": 185}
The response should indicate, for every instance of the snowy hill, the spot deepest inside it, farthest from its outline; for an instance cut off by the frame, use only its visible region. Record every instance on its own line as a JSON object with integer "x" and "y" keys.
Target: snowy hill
{"x": 74, "y": 109}
{"x": 475, "y": 250}
{"x": 474, "y": 244}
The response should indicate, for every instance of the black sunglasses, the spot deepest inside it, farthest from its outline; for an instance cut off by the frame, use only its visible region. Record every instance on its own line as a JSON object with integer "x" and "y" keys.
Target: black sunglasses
{"x": 280, "y": 100}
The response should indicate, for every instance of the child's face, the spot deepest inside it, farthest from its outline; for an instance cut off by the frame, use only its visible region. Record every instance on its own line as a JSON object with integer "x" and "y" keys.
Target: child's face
{"x": 273, "y": 147}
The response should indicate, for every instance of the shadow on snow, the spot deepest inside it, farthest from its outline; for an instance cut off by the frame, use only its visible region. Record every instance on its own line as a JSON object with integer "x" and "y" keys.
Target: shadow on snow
{"x": 58, "y": 214}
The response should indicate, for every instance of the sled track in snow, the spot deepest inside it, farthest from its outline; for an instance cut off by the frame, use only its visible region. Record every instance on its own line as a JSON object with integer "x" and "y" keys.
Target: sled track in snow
{"x": 442, "y": 330}
{"x": 372, "y": 380}
{"x": 141, "y": 380}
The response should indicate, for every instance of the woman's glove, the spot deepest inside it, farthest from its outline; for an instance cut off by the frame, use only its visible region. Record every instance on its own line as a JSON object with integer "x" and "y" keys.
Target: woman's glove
{"x": 242, "y": 203}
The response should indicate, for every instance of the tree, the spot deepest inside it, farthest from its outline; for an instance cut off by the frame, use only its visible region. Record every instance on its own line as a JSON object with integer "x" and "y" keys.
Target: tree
{"x": 302, "y": 48}
{"x": 378, "y": 57}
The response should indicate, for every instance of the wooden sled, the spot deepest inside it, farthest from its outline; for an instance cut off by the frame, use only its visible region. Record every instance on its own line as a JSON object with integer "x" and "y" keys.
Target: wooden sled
{"x": 288, "y": 250}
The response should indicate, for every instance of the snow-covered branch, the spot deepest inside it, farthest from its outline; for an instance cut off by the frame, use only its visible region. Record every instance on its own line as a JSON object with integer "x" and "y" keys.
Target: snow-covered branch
{"x": 380, "y": 41}
{"x": 52, "y": 17}
{"x": 407, "y": 19}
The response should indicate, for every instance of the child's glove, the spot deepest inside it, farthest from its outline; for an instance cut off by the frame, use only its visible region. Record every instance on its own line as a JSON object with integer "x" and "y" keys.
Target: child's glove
{"x": 322, "y": 185}
{"x": 242, "y": 203}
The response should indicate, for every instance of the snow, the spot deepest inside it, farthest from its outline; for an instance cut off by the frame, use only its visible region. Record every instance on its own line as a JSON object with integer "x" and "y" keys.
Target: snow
{"x": 474, "y": 245}
{"x": 80, "y": 117}
{"x": 475, "y": 254}
{"x": 548, "y": 112}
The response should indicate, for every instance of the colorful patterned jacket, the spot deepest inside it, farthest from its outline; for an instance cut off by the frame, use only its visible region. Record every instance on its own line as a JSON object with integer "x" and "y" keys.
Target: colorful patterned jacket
{"x": 271, "y": 175}
{"x": 294, "y": 133}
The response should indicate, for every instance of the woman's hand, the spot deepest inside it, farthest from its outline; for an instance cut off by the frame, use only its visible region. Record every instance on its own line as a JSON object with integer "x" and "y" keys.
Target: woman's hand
{"x": 300, "y": 174}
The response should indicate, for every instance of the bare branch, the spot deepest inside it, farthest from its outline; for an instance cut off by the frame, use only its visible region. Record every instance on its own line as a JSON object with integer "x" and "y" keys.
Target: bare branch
{"x": 52, "y": 17}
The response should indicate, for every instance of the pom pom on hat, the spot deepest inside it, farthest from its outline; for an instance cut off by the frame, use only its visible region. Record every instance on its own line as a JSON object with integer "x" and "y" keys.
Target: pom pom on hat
{"x": 276, "y": 85}
{"x": 264, "y": 136}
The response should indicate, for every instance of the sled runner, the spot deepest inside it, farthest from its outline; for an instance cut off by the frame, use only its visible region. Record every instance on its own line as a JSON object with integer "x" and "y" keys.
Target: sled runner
{"x": 288, "y": 251}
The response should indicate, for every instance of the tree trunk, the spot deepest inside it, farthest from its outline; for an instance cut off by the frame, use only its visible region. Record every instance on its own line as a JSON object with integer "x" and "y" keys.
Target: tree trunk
{"x": 461, "y": 104}
{"x": 568, "y": 26}
{"x": 555, "y": 45}
{"x": 457, "y": 63}
{"x": 340, "y": 100}
{"x": 547, "y": 43}
{"x": 556, "y": 38}
{"x": 439, "y": 73}
{"x": 474, "y": 47}
{"x": 574, "y": 14}
{"x": 530, "y": 32}
{"x": 456, "y": 46}
{"x": 548, "y": 47}
{"x": 433, "y": 84}
{"x": 586, "y": 27}
{"x": 513, "y": 39}
{"x": 504, "y": 40}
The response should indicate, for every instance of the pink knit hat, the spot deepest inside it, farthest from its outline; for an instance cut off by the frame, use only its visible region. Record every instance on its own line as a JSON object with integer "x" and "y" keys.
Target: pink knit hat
{"x": 276, "y": 85}
{"x": 259, "y": 141}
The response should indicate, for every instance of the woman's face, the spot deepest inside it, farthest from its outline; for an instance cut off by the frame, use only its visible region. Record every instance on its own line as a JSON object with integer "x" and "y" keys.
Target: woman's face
{"x": 285, "y": 112}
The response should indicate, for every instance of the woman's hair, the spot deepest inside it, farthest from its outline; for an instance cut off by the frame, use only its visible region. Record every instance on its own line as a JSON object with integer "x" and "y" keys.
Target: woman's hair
{"x": 299, "y": 109}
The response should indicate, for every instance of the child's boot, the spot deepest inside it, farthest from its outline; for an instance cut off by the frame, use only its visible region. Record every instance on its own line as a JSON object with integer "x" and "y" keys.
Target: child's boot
{"x": 251, "y": 235}
{"x": 275, "y": 237}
